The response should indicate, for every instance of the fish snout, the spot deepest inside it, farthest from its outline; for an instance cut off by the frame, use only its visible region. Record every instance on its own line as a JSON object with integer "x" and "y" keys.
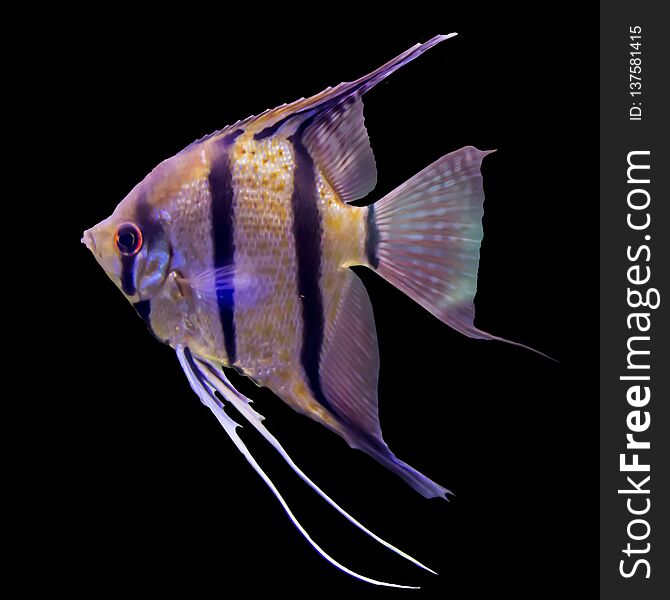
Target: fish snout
{"x": 88, "y": 240}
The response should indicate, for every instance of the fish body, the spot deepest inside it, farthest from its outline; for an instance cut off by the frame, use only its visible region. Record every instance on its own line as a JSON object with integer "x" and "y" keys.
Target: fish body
{"x": 230, "y": 204}
{"x": 236, "y": 252}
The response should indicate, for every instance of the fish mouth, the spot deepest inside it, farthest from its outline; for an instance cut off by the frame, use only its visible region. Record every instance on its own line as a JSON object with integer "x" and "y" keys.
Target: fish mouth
{"x": 88, "y": 240}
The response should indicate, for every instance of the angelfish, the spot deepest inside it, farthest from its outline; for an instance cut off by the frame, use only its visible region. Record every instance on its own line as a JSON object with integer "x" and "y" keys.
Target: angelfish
{"x": 236, "y": 252}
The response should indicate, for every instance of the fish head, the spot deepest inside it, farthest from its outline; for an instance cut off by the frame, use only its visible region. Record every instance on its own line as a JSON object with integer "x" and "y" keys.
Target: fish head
{"x": 131, "y": 245}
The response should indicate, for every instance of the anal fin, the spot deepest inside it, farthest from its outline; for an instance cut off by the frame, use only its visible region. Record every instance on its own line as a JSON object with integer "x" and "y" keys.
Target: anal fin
{"x": 349, "y": 375}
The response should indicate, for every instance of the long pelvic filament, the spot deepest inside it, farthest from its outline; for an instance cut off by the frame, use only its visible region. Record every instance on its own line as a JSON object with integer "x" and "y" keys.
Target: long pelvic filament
{"x": 205, "y": 391}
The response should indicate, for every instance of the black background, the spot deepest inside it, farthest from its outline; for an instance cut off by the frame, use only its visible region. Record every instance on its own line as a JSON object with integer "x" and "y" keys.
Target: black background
{"x": 151, "y": 495}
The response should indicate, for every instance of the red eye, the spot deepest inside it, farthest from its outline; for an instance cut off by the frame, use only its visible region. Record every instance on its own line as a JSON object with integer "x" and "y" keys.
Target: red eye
{"x": 128, "y": 239}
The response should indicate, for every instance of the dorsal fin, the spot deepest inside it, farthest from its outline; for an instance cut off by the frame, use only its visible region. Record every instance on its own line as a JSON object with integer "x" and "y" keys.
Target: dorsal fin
{"x": 339, "y": 144}
{"x": 334, "y": 129}
{"x": 288, "y": 117}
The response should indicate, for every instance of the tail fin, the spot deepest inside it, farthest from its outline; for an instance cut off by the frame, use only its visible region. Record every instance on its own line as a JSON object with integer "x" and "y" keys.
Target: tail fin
{"x": 424, "y": 238}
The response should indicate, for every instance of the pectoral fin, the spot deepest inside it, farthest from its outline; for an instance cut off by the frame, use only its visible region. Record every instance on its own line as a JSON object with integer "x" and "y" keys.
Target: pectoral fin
{"x": 246, "y": 285}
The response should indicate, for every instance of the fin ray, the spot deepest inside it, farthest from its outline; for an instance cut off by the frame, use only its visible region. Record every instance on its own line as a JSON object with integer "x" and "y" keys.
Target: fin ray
{"x": 340, "y": 145}
{"x": 430, "y": 232}
{"x": 249, "y": 286}
{"x": 243, "y": 406}
{"x": 297, "y": 112}
{"x": 349, "y": 373}
{"x": 205, "y": 391}
{"x": 350, "y": 357}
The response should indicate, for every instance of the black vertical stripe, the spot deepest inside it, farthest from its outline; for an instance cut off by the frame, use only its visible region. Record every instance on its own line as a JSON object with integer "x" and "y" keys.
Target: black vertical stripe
{"x": 372, "y": 238}
{"x": 231, "y": 137}
{"x": 307, "y": 231}
{"x": 128, "y": 274}
{"x": 143, "y": 308}
{"x": 221, "y": 189}
{"x": 151, "y": 231}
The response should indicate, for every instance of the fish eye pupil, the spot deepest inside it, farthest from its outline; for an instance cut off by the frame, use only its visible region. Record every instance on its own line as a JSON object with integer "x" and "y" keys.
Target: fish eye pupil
{"x": 128, "y": 239}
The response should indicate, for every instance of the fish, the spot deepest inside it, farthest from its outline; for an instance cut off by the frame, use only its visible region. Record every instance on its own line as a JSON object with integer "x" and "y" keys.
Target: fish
{"x": 236, "y": 252}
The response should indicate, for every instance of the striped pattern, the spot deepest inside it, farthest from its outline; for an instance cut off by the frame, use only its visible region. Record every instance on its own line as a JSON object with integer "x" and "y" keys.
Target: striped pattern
{"x": 276, "y": 219}
{"x": 262, "y": 204}
{"x": 307, "y": 229}
{"x": 264, "y": 208}
{"x": 222, "y": 207}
